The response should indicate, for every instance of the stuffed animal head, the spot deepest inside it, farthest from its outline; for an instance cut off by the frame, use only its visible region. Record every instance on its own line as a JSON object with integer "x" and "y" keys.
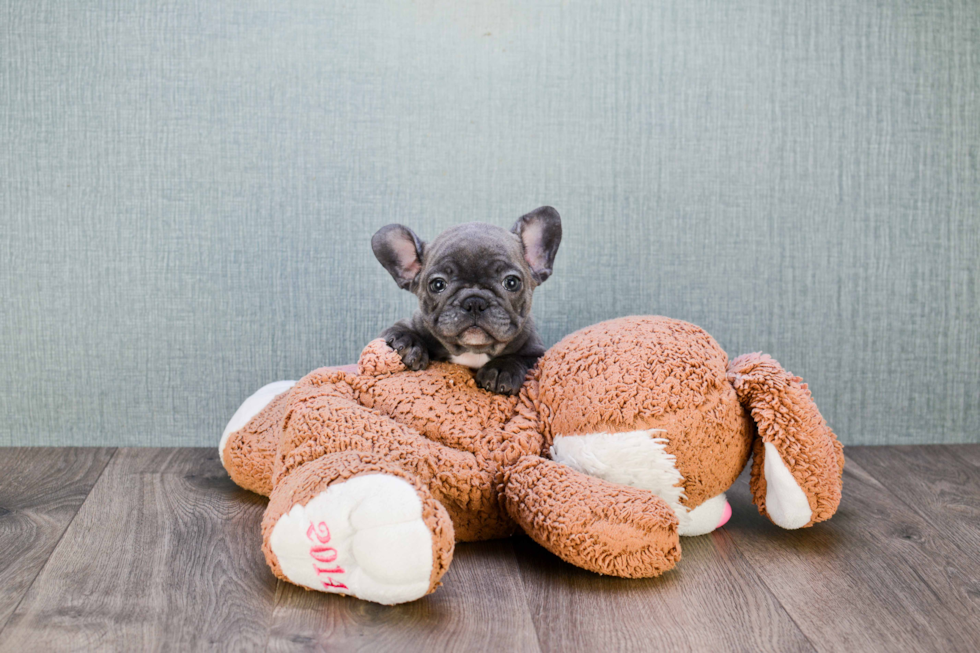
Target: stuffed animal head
{"x": 633, "y": 373}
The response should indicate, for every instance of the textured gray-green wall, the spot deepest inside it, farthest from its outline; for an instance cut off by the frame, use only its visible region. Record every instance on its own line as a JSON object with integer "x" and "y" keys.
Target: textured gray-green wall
{"x": 188, "y": 190}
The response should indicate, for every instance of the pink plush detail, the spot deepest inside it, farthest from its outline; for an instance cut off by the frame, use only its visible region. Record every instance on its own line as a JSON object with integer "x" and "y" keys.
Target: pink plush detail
{"x": 726, "y": 514}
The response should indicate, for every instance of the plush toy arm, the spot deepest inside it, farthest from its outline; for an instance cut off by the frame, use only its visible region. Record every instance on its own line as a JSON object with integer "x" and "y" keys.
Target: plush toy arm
{"x": 248, "y": 444}
{"x": 600, "y": 526}
{"x": 377, "y": 358}
{"x": 797, "y": 461}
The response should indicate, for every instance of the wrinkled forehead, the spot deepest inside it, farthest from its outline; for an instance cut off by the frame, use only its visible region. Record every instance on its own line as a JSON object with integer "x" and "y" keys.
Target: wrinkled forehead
{"x": 474, "y": 244}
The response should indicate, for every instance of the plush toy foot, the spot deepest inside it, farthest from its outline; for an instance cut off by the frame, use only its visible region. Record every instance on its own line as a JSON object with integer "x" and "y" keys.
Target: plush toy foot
{"x": 710, "y": 515}
{"x": 376, "y": 535}
{"x": 364, "y": 537}
{"x": 250, "y": 408}
{"x": 248, "y": 444}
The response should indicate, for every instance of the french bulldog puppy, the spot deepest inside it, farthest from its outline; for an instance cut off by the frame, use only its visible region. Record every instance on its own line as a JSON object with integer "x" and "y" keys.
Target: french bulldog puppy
{"x": 474, "y": 283}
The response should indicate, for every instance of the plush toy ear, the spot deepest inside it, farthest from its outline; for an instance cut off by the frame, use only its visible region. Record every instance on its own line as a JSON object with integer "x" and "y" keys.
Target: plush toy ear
{"x": 399, "y": 250}
{"x": 797, "y": 462}
{"x": 540, "y": 233}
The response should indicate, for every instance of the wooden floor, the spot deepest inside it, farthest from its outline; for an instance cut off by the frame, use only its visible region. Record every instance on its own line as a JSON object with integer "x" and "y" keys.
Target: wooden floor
{"x": 145, "y": 549}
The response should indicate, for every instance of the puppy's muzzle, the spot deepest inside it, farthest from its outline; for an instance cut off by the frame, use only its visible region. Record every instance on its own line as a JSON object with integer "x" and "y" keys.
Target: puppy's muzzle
{"x": 474, "y": 304}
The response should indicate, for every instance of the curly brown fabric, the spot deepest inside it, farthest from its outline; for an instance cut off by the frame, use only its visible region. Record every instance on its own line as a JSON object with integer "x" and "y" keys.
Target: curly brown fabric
{"x": 480, "y": 459}
{"x": 636, "y": 373}
{"x": 250, "y": 452}
{"x": 610, "y": 529}
{"x": 787, "y": 417}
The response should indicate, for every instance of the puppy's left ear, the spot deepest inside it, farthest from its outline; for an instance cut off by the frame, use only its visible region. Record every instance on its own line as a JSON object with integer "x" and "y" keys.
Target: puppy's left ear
{"x": 540, "y": 233}
{"x": 399, "y": 250}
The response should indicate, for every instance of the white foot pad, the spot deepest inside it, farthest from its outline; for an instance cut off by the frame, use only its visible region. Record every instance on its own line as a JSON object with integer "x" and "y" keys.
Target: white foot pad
{"x": 786, "y": 502}
{"x": 364, "y": 537}
{"x": 706, "y": 517}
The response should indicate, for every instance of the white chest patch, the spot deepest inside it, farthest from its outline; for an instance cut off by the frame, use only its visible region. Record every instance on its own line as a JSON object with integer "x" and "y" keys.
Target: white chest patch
{"x": 470, "y": 360}
{"x": 635, "y": 458}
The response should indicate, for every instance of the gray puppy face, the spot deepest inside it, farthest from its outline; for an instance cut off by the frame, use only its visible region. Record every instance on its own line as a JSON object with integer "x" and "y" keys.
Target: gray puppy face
{"x": 475, "y": 288}
{"x": 474, "y": 281}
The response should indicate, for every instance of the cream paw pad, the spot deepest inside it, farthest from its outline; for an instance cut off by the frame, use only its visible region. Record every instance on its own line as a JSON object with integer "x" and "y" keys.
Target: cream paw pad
{"x": 365, "y": 537}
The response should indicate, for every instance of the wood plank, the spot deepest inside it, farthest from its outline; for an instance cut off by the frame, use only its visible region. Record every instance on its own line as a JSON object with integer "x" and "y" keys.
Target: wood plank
{"x": 41, "y": 490}
{"x": 876, "y": 577}
{"x": 712, "y": 600}
{"x": 480, "y": 607}
{"x": 934, "y": 481}
{"x": 165, "y": 554}
{"x": 968, "y": 453}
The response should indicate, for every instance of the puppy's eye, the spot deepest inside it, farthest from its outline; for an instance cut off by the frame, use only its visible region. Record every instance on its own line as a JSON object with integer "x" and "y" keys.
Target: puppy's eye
{"x": 437, "y": 285}
{"x": 512, "y": 283}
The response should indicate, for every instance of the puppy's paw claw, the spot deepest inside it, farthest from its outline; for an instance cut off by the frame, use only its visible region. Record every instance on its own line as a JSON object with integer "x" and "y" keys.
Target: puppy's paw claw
{"x": 501, "y": 376}
{"x": 416, "y": 358}
{"x": 411, "y": 349}
{"x": 486, "y": 378}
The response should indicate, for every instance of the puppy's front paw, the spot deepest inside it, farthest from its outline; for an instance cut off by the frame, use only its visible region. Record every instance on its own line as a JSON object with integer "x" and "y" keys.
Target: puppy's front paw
{"x": 503, "y": 376}
{"x": 411, "y": 349}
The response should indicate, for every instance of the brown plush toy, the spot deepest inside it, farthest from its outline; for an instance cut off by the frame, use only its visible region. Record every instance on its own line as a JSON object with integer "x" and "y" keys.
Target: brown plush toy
{"x": 625, "y": 436}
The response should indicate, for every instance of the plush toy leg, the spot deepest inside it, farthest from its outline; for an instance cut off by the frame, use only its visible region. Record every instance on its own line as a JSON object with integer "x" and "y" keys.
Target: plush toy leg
{"x": 248, "y": 444}
{"x": 321, "y": 420}
{"x": 353, "y": 524}
{"x": 600, "y": 526}
{"x": 797, "y": 461}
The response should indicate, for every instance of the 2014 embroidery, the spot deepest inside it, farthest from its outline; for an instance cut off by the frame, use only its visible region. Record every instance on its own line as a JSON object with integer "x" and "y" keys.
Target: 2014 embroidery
{"x": 324, "y": 554}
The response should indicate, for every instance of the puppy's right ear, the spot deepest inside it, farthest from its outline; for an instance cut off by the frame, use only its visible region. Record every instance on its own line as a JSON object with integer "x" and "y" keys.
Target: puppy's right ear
{"x": 399, "y": 250}
{"x": 540, "y": 234}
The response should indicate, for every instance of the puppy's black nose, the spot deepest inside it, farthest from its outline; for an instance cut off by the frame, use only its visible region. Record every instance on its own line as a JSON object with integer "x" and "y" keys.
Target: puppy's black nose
{"x": 474, "y": 304}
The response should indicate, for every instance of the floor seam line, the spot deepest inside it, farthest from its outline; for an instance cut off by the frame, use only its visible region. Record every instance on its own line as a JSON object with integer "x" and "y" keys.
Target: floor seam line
{"x": 765, "y": 585}
{"x": 524, "y": 588}
{"x": 3, "y": 627}
{"x": 272, "y": 614}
